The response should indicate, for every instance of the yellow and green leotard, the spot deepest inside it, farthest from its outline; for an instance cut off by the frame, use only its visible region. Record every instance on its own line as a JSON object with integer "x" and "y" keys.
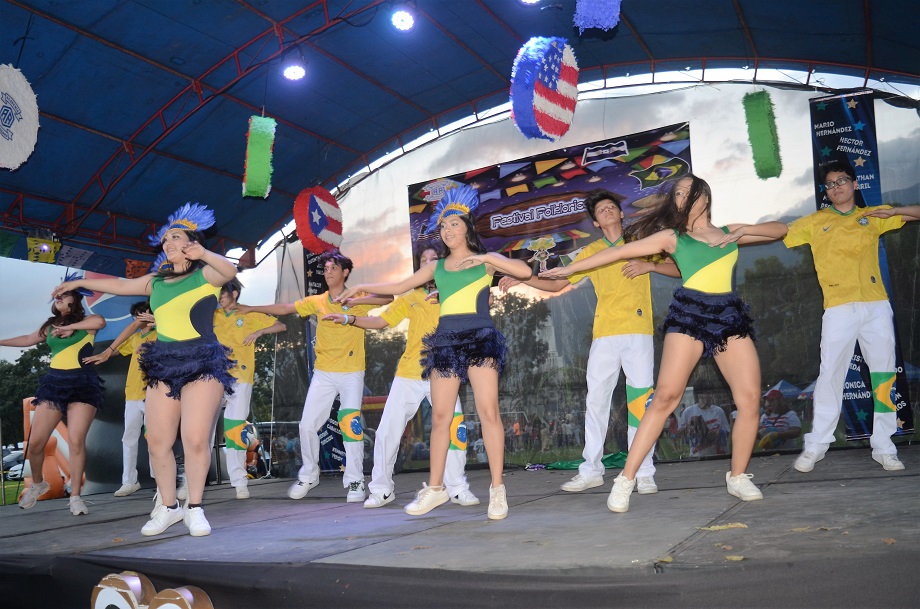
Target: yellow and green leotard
{"x": 68, "y": 380}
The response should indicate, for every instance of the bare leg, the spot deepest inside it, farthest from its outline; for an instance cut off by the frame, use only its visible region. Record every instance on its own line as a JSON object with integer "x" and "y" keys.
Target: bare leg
{"x": 79, "y": 417}
{"x": 162, "y": 421}
{"x": 485, "y": 391}
{"x": 199, "y": 405}
{"x": 444, "y": 391}
{"x": 44, "y": 421}
{"x": 679, "y": 357}
{"x": 741, "y": 368}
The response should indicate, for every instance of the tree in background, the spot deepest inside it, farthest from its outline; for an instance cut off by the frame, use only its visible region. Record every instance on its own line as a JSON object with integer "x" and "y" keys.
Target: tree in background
{"x": 17, "y": 382}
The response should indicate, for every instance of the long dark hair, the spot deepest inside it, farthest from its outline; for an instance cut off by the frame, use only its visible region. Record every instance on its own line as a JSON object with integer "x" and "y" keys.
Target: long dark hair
{"x": 664, "y": 214}
{"x": 77, "y": 313}
{"x": 195, "y": 237}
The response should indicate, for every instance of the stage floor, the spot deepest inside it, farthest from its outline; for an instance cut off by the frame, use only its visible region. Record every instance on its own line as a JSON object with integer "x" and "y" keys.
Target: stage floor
{"x": 846, "y": 534}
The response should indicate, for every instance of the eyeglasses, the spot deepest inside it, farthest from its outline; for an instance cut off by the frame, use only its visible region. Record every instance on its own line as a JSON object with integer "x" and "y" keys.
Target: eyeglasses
{"x": 838, "y": 182}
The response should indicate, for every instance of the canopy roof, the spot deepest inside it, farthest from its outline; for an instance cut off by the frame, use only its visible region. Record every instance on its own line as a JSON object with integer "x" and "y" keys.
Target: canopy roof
{"x": 145, "y": 104}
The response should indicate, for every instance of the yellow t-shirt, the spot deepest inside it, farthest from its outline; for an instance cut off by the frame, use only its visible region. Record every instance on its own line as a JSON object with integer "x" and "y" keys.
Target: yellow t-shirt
{"x": 624, "y": 306}
{"x": 845, "y": 249}
{"x": 231, "y": 330}
{"x": 423, "y": 319}
{"x": 338, "y": 348}
{"x": 136, "y": 384}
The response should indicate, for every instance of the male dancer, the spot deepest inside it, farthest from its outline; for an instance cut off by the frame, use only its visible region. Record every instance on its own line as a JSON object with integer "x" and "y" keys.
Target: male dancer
{"x": 622, "y": 338}
{"x": 141, "y": 330}
{"x": 844, "y": 245}
{"x": 406, "y": 393}
{"x": 339, "y": 370}
{"x": 239, "y": 331}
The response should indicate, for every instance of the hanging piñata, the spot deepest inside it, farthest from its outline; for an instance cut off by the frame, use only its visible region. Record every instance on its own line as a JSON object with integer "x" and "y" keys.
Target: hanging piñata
{"x": 318, "y": 219}
{"x": 544, "y": 88}
{"x": 257, "y": 175}
{"x": 761, "y": 124}
{"x": 18, "y": 118}
{"x": 601, "y": 14}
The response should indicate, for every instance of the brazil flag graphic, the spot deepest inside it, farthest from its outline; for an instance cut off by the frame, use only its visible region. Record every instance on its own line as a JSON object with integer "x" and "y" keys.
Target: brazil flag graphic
{"x": 350, "y": 425}
{"x": 637, "y": 399}
{"x": 457, "y": 432}
{"x": 234, "y": 434}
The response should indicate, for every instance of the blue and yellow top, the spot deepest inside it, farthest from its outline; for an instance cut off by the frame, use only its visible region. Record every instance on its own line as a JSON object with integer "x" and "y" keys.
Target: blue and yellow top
{"x": 68, "y": 353}
{"x": 184, "y": 309}
{"x": 706, "y": 269}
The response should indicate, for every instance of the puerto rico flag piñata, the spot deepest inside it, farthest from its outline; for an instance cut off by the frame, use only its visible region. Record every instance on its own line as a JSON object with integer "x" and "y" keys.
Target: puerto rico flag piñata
{"x": 318, "y": 219}
{"x": 544, "y": 88}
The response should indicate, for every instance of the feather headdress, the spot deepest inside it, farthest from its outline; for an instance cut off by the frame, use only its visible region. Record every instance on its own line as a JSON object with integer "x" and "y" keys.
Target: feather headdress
{"x": 456, "y": 202}
{"x": 191, "y": 216}
{"x": 73, "y": 277}
{"x": 161, "y": 264}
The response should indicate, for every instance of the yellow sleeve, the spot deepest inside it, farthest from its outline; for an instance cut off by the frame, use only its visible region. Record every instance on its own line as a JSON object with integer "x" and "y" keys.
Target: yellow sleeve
{"x": 261, "y": 321}
{"x": 306, "y": 306}
{"x": 575, "y": 278}
{"x": 129, "y": 346}
{"x": 396, "y": 312}
{"x": 885, "y": 225}
{"x": 799, "y": 232}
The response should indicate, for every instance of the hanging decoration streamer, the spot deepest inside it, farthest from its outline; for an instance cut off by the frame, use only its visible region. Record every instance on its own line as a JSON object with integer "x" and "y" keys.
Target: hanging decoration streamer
{"x": 257, "y": 175}
{"x": 544, "y": 88}
{"x": 318, "y": 219}
{"x": 42, "y": 250}
{"x": 601, "y": 14}
{"x": 136, "y": 268}
{"x": 18, "y": 118}
{"x": 761, "y": 125}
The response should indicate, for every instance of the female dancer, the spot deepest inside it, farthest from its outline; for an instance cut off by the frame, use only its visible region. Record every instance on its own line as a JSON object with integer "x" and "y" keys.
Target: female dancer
{"x": 465, "y": 347}
{"x": 186, "y": 368}
{"x": 706, "y": 319}
{"x": 69, "y": 391}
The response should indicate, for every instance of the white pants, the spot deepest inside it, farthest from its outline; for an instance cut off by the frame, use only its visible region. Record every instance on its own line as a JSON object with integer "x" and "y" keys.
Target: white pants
{"x": 236, "y": 408}
{"x": 134, "y": 423}
{"x": 324, "y": 386}
{"x": 871, "y": 324}
{"x": 634, "y": 353}
{"x": 402, "y": 404}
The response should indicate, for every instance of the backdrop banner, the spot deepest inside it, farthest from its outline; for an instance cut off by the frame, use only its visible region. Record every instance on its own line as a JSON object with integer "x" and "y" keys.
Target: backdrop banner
{"x": 843, "y": 129}
{"x": 533, "y": 208}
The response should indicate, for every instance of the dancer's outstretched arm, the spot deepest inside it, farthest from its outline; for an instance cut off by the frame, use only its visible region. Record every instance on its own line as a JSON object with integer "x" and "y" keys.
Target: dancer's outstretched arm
{"x": 745, "y": 234}
{"x": 662, "y": 241}
{"x": 419, "y": 278}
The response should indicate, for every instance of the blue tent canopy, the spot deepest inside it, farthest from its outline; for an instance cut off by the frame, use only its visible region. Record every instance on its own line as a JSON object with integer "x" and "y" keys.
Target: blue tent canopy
{"x": 788, "y": 390}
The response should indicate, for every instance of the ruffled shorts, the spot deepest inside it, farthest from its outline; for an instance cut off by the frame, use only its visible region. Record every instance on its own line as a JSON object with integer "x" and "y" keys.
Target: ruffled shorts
{"x": 176, "y": 364}
{"x": 451, "y": 352}
{"x": 711, "y": 319}
{"x": 58, "y": 388}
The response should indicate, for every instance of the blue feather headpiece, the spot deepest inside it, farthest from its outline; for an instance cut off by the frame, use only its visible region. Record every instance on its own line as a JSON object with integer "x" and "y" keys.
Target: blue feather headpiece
{"x": 461, "y": 201}
{"x": 161, "y": 264}
{"x": 73, "y": 277}
{"x": 191, "y": 216}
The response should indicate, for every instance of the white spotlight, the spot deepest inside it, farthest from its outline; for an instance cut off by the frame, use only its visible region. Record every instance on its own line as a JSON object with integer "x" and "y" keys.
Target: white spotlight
{"x": 403, "y": 18}
{"x": 295, "y": 66}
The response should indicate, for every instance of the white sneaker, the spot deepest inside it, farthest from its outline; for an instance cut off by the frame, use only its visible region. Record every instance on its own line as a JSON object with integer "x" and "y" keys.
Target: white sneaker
{"x": 427, "y": 499}
{"x": 741, "y": 487}
{"x": 77, "y": 506}
{"x": 128, "y": 489}
{"x": 806, "y": 461}
{"x": 376, "y": 500}
{"x": 618, "y": 500}
{"x": 498, "y": 503}
{"x": 163, "y": 518}
{"x": 465, "y": 498}
{"x": 890, "y": 462}
{"x": 242, "y": 492}
{"x": 33, "y": 493}
{"x": 356, "y": 492}
{"x": 300, "y": 489}
{"x": 645, "y": 485}
{"x": 580, "y": 483}
{"x": 196, "y": 522}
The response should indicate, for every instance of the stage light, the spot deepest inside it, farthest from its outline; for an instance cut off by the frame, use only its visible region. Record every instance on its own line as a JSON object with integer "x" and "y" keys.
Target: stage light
{"x": 528, "y": 2}
{"x": 403, "y": 17}
{"x": 295, "y": 66}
